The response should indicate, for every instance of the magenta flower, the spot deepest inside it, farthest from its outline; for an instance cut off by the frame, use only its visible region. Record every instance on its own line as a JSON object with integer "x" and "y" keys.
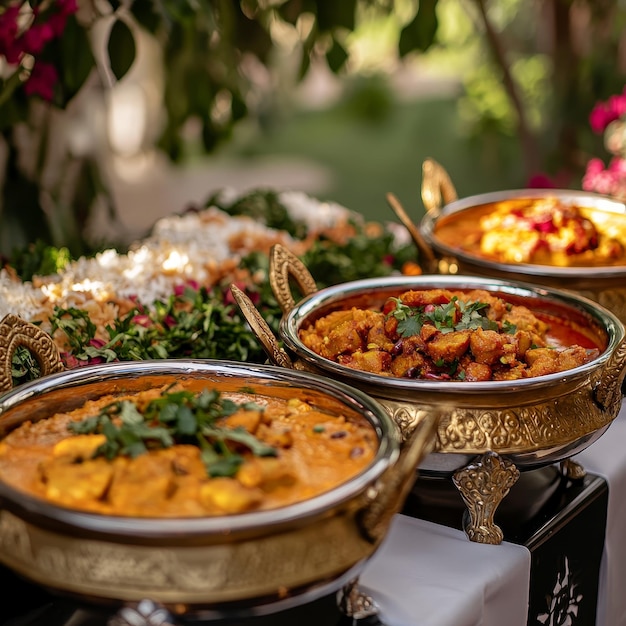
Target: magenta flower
{"x": 179, "y": 290}
{"x": 36, "y": 37}
{"x": 606, "y": 112}
{"x": 618, "y": 165}
{"x": 610, "y": 181}
{"x": 540, "y": 181}
{"x": 8, "y": 29}
{"x": 42, "y": 80}
{"x": 169, "y": 321}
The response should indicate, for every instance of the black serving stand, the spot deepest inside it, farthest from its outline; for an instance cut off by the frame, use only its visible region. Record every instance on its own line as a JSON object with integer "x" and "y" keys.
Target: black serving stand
{"x": 25, "y": 604}
{"x": 562, "y": 523}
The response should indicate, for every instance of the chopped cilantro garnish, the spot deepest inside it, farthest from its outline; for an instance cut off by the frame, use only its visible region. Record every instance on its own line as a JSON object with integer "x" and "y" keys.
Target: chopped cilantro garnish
{"x": 175, "y": 417}
{"x": 452, "y": 316}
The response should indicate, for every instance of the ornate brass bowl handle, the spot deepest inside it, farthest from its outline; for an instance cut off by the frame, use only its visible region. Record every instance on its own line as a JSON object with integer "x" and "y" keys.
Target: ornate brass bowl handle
{"x": 15, "y": 332}
{"x": 426, "y": 255}
{"x": 261, "y": 329}
{"x": 283, "y": 265}
{"x": 437, "y": 188}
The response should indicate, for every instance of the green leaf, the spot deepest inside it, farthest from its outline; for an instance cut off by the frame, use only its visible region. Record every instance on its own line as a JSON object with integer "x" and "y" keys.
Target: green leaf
{"x": 146, "y": 15}
{"x": 420, "y": 33}
{"x": 336, "y": 56}
{"x": 8, "y": 86}
{"x": 409, "y": 327}
{"x": 241, "y": 435}
{"x": 186, "y": 423}
{"x": 76, "y": 58}
{"x": 224, "y": 467}
{"x": 121, "y": 48}
{"x": 23, "y": 218}
{"x": 333, "y": 14}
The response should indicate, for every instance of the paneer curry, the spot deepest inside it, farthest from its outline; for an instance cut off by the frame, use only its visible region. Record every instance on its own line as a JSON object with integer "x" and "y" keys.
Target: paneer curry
{"x": 175, "y": 453}
{"x": 544, "y": 231}
{"x": 449, "y": 335}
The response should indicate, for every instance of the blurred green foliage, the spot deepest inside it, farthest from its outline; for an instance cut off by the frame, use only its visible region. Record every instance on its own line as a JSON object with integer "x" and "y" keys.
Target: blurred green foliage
{"x": 531, "y": 72}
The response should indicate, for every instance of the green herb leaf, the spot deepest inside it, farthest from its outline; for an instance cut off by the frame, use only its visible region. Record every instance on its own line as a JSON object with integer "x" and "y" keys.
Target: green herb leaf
{"x": 175, "y": 417}
{"x": 444, "y": 317}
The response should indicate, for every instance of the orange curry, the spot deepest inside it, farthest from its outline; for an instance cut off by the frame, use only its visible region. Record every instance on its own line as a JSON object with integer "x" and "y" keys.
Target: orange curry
{"x": 171, "y": 453}
{"x": 440, "y": 334}
{"x": 543, "y": 231}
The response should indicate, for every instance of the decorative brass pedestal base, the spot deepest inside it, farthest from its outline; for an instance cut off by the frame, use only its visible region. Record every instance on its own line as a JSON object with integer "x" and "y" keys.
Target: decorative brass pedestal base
{"x": 572, "y": 470}
{"x": 482, "y": 486}
{"x": 353, "y": 603}
{"x": 485, "y": 483}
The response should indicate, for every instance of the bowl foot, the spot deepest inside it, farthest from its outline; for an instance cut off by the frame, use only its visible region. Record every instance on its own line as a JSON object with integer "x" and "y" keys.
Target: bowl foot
{"x": 483, "y": 485}
{"x": 356, "y": 605}
{"x": 572, "y": 470}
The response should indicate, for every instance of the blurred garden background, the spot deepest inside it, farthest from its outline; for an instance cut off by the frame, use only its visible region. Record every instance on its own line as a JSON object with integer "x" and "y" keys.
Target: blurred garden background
{"x": 156, "y": 105}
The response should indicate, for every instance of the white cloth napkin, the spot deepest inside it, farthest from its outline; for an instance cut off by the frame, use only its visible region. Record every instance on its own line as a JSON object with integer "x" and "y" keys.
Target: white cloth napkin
{"x": 425, "y": 574}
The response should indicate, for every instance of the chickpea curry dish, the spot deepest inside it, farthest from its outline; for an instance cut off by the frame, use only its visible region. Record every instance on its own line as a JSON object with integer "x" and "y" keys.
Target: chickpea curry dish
{"x": 440, "y": 334}
{"x": 171, "y": 452}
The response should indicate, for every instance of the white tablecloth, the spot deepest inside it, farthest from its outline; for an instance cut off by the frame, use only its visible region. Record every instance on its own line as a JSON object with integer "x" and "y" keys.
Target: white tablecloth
{"x": 425, "y": 574}
{"x": 607, "y": 457}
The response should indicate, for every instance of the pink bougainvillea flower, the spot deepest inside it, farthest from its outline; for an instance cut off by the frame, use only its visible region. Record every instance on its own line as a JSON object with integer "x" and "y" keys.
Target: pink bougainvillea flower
{"x": 169, "y": 321}
{"x": 179, "y": 290}
{"x": 610, "y": 181}
{"x": 67, "y": 7}
{"x": 618, "y": 166}
{"x": 8, "y": 29}
{"x": 10, "y": 44}
{"x": 603, "y": 113}
{"x": 36, "y": 37}
{"x": 540, "y": 181}
{"x": 41, "y": 81}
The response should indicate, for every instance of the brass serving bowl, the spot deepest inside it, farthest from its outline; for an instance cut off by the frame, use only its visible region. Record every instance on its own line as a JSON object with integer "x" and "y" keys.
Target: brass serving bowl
{"x": 605, "y": 284}
{"x": 213, "y": 567}
{"x": 493, "y": 427}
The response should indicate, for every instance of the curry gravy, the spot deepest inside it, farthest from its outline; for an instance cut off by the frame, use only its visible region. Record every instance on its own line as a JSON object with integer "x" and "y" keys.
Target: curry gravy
{"x": 543, "y": 231}
{"x": 315, "y": 452}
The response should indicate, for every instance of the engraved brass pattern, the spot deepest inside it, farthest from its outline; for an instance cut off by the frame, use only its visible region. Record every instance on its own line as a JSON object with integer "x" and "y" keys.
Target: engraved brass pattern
{"x": 208, "y": 573}
{"x": 507, "y": 429}
{"x": 611, "y": 298}
{"x": 437, "y": 188}
{"x": 15, "y": 332}
{"x": 608, "y": 391}
{"x": 283, "y": 264}
{"x": 259, "y": 326}
{"x": 483, "y": 485}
